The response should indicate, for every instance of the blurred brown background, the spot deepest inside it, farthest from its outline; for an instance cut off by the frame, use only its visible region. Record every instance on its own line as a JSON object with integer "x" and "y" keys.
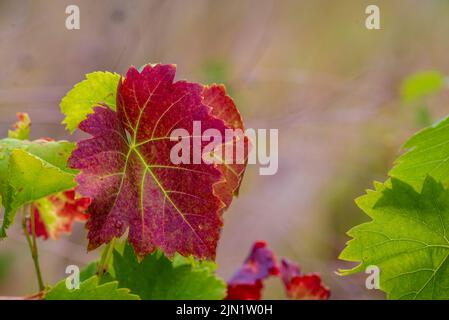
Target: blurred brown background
{"x": 308, "y": 68}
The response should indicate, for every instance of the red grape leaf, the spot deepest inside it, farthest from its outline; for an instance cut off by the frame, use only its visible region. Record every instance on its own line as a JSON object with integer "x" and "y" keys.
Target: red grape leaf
{"x": 246, "y": 283}
{"x": 245, "y": 291}
{"x": 127, "y": 172}
{"x": 55, "y": 214}
{"x": 302, "y": 287}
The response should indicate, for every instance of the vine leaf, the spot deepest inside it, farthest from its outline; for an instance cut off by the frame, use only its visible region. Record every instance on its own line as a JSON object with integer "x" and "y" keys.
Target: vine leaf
{"x": 407, "y": 239}
{"x": 127, "y": 172}
{"x": 98, "y": 87}
{"x": 56, "y": 213}
{"x": 158, "y": 278}
{"x": 302, "y": 286}
{"x": 223, "y": 107}
{"x": 246, "y": 283}
{"x": 90, "y": 290}
{"x": 30, "y": 170}
{"x": 428, "y": 154}
{"x": 21, "y": 127}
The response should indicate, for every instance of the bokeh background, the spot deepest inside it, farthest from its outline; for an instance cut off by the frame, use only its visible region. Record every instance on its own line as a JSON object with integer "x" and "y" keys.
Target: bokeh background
{"x": 308, "y": 68}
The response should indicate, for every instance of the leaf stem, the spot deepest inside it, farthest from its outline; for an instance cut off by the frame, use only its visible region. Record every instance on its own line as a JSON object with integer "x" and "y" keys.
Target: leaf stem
{"x": 105, "y": 258}
{"x": 32, "y": 244}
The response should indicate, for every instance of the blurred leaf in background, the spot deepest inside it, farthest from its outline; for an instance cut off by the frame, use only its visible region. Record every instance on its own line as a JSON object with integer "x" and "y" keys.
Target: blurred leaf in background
{"x": 419, "y": 86}
{"x": 215, "y": 71}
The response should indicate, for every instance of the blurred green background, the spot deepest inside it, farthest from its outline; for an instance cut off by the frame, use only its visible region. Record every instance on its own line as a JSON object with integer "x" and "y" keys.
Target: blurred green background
{"x": 311, "y": 69}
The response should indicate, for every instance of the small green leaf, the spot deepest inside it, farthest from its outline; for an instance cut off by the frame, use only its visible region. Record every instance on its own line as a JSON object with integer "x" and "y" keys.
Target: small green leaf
{"x": 407, "y": 239}
{"x": 30, "y": 170}
{"x": 90, "y": 290}
{"x": 428, "y": 154}
{"x": 98, "y": 88}
{"x": 158, "y": 278}
{"x": 21, "y": 128}
{"x": 420, "y": 85}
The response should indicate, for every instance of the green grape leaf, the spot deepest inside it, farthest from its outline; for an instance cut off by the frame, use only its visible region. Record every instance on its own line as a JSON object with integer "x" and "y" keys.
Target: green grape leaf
{"x": 421, "y": 84}
{"x": 88, "y": 271}
{"x": 407, "y": 239}
{"x": 98, "y": 88}
{"x": 90, "y": 290}
{"x": 428, "y": 154}
{"x": 21, "y": 127}
{"x": 30, "y": 170}
{"x": 158, "y": 278}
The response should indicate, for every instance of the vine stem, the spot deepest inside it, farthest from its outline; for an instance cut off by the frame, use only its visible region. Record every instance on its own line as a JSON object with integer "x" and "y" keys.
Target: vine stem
{"x": 105, "y": 258}
{"x": 32, "y": 244}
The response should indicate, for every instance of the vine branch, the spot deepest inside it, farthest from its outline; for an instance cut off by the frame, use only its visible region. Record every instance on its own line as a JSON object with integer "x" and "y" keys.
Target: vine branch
{"x": 32, "y": 244}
